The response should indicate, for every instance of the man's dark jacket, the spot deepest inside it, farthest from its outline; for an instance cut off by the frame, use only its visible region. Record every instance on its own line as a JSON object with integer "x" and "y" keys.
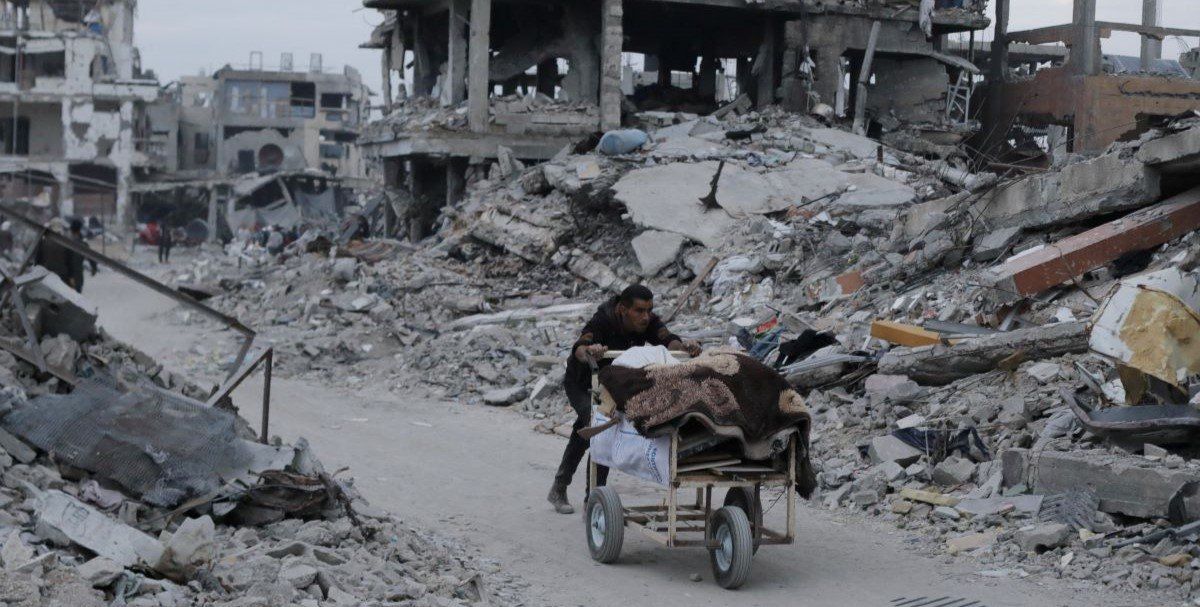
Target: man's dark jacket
{"x": 605, "y": 329}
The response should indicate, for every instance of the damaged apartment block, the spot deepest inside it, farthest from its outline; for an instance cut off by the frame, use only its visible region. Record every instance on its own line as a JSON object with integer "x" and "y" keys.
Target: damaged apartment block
{"x": 259, "y": 145}
{"x": 498, "y": 82}
{"x": 73, "y": 123}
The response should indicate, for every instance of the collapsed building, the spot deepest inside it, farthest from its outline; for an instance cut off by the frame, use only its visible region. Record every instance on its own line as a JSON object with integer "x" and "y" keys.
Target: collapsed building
{"x": 258, "y": 146}
{"x": 1074, "y": 98}
{"x": 486, "y": 83}
{"x": 75, "y": 130}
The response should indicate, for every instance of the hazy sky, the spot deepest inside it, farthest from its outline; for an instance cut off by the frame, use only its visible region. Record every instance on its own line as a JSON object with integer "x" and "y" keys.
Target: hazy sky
{"x": 181, "y": 38}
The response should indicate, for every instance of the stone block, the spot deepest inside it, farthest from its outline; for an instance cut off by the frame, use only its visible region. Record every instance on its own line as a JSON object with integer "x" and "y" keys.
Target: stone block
{"x": 1039, "y": 538}
{"x": 891, "y": 449}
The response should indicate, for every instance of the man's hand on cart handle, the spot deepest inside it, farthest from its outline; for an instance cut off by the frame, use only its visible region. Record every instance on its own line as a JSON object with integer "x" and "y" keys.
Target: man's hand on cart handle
{"x": 590, "y": 354}
{"x": 690, "y": 346}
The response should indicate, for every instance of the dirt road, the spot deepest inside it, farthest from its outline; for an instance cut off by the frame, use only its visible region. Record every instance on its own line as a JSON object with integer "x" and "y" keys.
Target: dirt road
{"x": 481, "y": 474}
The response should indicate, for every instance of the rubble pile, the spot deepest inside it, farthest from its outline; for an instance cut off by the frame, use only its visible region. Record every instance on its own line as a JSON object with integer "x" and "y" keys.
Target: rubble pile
{"x": 119, "y": 488}
{"x": 963, "y": 384}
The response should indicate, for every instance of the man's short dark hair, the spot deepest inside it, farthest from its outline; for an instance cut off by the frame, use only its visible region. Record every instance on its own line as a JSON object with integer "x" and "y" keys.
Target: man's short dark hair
{"x": 634, "y": 293}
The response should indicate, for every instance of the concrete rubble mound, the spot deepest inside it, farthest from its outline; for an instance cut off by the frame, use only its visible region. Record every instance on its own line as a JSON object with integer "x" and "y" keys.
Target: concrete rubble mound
{"x": 125, "y": 489}
{"x": 922, "y": 310}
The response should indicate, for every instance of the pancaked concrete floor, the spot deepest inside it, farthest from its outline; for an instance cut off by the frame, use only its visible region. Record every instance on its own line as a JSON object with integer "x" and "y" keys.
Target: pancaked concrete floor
{"x": 481, "y": 474}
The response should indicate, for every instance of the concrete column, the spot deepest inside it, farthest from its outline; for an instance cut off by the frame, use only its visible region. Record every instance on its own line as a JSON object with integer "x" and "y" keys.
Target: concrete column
{"x": 994, "y": 116}
{"x": 1151, "y": 47}
{"x": 612, "y": 39}
{"x": 424, "y": 71}
{"x": 213, "y": 220}
{"x": 766, "y": 65}
{"x": 1085, "y": 53}
{"x": 456, "y": 74}
{"x": 124, "y": 209}
{"x": 66, "y": 191}
{"x": 385, "y": 64}
{"x": 480, "y": 61}
{"x": 397, "y": 51}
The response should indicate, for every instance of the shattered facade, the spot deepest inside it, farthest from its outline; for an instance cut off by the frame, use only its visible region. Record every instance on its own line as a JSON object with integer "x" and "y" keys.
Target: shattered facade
{"x": 76, "y": 132}
{"x": 244, "y": 120}
{"x": 1083, "y": 100}
{"x": 487, "y": 84}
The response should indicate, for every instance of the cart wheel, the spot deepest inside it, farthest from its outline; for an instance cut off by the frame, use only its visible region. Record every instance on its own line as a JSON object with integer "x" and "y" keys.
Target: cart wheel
{"x": 743, "y": 497}
{"x": 730, "y": 530}
{"x": 605, "y": 523}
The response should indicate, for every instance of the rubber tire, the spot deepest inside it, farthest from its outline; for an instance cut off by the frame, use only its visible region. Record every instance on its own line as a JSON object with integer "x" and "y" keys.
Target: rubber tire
{"x": 743, "y": 497}
{"x": 606, "y": 499}
{"x": 742, "y": 548}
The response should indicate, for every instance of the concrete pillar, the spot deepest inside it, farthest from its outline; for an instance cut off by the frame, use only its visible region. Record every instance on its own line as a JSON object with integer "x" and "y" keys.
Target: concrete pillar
{"x": 1151, "y": 47}
{"x": 66, "y": 191}
{"x": 397, "y": 51}
{"x": 124, "y": 209}
{"x": 612, "y": 39}
{"x": 1085, "y": 52}
{"x": 213, "y": 219}
{"x": 766, "y": 64}
{"x": 424, "y": 71}
{"x": 385, "y": 65}
{"x": 480, "y": 61}
{"x": 456, "y": 74}
{"x": 995, "y": 127}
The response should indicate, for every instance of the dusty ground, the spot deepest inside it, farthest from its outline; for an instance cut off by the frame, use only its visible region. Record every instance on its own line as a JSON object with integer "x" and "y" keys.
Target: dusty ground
{"x": 481, "y": 474}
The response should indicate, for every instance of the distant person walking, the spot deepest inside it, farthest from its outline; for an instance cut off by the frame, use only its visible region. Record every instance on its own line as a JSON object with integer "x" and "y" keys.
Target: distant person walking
{"x": 166, "y": 240}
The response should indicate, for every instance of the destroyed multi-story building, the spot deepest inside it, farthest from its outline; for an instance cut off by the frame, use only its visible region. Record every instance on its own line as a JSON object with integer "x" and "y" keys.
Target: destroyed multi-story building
{"x": 241, "y": 120}
{"x": 1079, "y": 98}
{"x": 506, "y": 78}
{"x": 262, "y": 143}
{"x": 73, "y": 98}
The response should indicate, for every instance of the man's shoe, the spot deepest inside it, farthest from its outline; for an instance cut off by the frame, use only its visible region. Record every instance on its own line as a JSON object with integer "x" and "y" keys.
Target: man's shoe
{"x": 558, "y": 497}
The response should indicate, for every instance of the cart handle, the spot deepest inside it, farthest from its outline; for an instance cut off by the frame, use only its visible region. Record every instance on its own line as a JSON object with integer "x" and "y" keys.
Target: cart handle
{"x": 679, "y": 354}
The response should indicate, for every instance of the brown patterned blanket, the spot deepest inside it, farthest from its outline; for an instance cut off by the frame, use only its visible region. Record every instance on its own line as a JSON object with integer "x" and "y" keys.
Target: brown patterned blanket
{"x": 733, "y": 394}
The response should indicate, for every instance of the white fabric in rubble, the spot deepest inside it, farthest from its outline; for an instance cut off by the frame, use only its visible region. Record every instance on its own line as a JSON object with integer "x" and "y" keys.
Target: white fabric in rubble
{"x": 621, "y": 447}
{"x": 926, "y": 17}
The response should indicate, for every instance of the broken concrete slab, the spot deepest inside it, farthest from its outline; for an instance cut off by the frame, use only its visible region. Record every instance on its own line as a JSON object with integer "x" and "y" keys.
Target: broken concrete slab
{"x": 940, "y": 364}
{"x": 189, "y": 548}
{"x": 67, "y": 312}
{"x": 973, "y": 541}
{"x": 870, "y": 191}
{"x": 505, "y": 396}
{"x": 895, "y": 389}
{"x": 1125, "y": 484}
{"x": 526, "y": 237}
{"x": 557, "y": 311}
{"x": 953, "y": 470}
{"x": 891, "y": 449}
{"x": 1043, "y": 371}
{"x": 16, "y": 447}
{"x": 1039, "y": 538}
{"x": 837, "y": 140}
{"x": 65, "y": 520}
{"x": 994, "y": 244}
{"x": 656, "y": 250}
{"x": 1025, "y": 504}
{"x": 1036, "y": 271}
{"x": 15, "y": 553}
{"x": 667, "y": 197}
{"x": 100, "y": 571}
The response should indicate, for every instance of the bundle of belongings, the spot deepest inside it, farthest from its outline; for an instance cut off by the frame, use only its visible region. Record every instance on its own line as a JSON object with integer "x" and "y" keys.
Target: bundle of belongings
{"x": 732, "y": 413}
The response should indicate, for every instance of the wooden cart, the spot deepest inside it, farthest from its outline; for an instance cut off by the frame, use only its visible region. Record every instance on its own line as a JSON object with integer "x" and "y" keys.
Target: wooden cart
{"x": 731, "y": 532}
